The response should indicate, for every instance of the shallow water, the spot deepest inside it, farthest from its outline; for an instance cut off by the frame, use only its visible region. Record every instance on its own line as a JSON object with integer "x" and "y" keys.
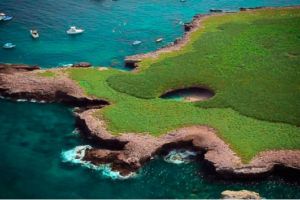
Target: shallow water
{"x": 33, "y": 136}
{"x": 111, "y": 27}
{"x": 189, "y": 94}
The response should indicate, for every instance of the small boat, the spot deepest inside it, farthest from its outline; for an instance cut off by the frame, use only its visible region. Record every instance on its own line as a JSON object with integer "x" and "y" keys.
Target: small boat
{"x": 9, "y": 45}
{"x": 73, "y": 30}
{"x": 137, "y": 42}
{"x": 34, "y": 34}
{"x": 4, "y": 17}
{"x": 159, "y": 40}
{"x": 7, "y": 18}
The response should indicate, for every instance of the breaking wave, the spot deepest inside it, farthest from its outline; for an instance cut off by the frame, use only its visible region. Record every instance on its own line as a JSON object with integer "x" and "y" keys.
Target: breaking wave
{"x": 76, "y": 156}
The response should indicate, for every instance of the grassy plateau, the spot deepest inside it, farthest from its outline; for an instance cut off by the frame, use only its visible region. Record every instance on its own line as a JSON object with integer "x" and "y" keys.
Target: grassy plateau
{"x": 251, "y": 60}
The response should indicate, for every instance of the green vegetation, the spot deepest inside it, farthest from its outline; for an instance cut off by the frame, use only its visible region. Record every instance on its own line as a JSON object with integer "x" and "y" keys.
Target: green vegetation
{"x": 251, "y": 60}
{"x": 46, "y": 74}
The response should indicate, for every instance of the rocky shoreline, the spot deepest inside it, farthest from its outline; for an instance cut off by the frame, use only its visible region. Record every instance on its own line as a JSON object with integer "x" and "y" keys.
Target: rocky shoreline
{"x": 128, "y": 152}
{"x": 196, "y": 23}
{"x": 27, "y": 85}
{"x": 189, "y": 28}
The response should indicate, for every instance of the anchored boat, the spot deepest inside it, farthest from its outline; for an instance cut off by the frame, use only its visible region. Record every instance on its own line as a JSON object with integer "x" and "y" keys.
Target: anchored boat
{"x": 34, "y": 34}
{"x": 137, "y": 42}
{"x": 4, "y": 17}
{"x": 7, "y": 18}
{"x": 159, "y": 40}
{"x": 74, "y": 30}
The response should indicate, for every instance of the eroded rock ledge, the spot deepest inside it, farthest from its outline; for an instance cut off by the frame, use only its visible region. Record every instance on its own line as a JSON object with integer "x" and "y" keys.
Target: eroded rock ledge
{"x": 29, "y": 86}
{"x": 130, "y": 151}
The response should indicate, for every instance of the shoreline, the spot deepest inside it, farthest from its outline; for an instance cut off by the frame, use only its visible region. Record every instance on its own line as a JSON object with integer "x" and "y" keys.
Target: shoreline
{"x": 131, "y": 150}
{"x": 133, "y": 61}
{"x": 128, "y": 152}
{"x": 189, "y": 28}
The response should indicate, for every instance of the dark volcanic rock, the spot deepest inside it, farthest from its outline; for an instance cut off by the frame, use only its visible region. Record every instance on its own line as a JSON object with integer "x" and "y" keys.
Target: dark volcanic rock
{"x": 251, "y": 8}
{"x": 28, "y": 85}
{"x": 216, "y": 10}
{"x": 188, "y": 26}
{"x": 82, "y": 64}
{"x": 140, "y": 148}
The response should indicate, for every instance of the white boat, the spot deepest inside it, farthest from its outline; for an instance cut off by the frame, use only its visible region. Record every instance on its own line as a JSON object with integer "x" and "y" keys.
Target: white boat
{"x": 7, "y": 18}
{"x": 9, "y": 45}
{"x": 4, "y": 17}
{"x": 34, "y": 34}
{"x": 159, "y": 40}
{"x": 137, "y": 42}
{"x": 73, "y": 30}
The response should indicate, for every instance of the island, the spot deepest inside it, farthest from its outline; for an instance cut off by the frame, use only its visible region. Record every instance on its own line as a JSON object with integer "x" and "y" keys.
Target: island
{"x": 240, "y": 76}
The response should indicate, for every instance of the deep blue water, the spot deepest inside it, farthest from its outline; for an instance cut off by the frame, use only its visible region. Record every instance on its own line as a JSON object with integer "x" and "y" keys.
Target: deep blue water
{"x": 32, "y": 136}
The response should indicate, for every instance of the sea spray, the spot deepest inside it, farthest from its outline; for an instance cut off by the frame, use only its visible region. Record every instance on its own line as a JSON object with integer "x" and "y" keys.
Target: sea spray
{"x": 21, "y": 100}
{"x": 76, "y": 156}
{"x": 180, "y": 156}
{"x": 64, "y": 64}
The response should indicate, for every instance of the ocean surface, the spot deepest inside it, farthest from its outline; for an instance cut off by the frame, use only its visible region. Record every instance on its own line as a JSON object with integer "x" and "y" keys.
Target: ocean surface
{"x": 110, "y": 27}
{"x": 35, "y": 138}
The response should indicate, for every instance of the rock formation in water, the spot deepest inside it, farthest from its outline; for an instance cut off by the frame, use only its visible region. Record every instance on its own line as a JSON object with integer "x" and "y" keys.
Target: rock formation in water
{"x": 242, "y": 194}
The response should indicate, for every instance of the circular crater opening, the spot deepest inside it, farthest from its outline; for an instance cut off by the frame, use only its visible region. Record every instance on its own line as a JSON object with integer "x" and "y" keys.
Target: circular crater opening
{"x": 191, "y": 94}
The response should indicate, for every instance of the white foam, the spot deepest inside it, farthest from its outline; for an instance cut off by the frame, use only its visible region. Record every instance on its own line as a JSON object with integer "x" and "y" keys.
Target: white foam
{"x": 67, "y": 65}
{"x": 64, "y": 64}
{"x": 76, "y": 155}
{"x": 21, "y": 100}
{"x": 180, "y": 156}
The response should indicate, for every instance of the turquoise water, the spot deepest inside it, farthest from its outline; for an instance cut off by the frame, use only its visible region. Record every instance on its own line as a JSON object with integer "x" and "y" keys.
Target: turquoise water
{"x": 33, "y": 136}
{"x": 111, "y": 27}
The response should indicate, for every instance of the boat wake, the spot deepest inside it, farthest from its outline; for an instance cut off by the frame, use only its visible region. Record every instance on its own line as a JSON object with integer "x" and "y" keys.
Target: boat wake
{"x": 76, "y": 156}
